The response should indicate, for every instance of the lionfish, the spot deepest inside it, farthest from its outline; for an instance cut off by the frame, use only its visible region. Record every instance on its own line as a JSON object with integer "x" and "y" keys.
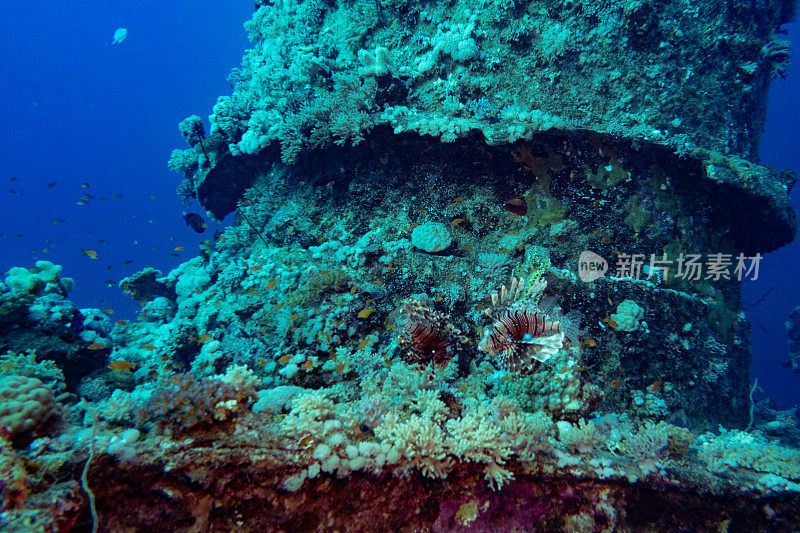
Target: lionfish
{"x": 428, "y": 337}
{"x": 524, "y": 335}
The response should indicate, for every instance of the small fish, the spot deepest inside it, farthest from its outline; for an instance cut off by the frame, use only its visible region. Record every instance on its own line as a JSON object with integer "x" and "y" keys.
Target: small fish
{"x": 340, "y": 368}
{"x": 119, "y": 366}
{"x": 590, "y": 342}
{"x": 294, "y": 317}
{"x": 261, "y": 362}
{"x": 87, "y": 197}
{"x": 456, "y": 222}
{"x": 128, "y": 262}
{"x": 195, "y": 221}
{"x": 97, "y": 346}
{"x": 254, "y": 268}
{"x": 458, "y": 200}
{"x": 91, "y": 254}
{"x": 149, "y": 347}
{"x": 272, "y": 284}
{"x": 85, "y": 185}
{"x": 363, "y": 344}
{"x": 308, "y": 365}
{"x": 57, "y": 221}
{"x": 616, "y": 383}
{"x": 179, "y": 248}
{"x": 121, "y": 323}
{"x": 204, "y": 338}
{"x": 108, "y": 311}
{"x": 656, "y": 386}
{"x": 364, "y": 313}
{"x": 518, "y": 206}
{"x": 80, "y": 202}
{"x": 284, "y": 359}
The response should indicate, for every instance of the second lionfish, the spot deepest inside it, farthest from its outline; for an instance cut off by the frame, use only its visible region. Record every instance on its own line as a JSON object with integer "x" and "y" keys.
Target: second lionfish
{"x": 525, "y": 334}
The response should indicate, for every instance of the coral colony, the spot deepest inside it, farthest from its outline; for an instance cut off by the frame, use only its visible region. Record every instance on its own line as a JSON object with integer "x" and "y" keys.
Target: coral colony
{"x": 394, "y": 333}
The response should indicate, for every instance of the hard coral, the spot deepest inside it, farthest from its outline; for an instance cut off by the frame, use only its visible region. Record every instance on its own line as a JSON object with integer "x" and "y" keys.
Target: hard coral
{"x": 26, "y": 404}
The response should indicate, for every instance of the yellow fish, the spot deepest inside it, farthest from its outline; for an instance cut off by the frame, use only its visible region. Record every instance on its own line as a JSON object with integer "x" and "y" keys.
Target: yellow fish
{"x": 118, "y": 366}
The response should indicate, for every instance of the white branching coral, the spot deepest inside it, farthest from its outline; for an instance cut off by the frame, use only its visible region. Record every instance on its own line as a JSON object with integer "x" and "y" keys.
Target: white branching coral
{"x": 648, "y": 447}
{"x": 475, "y": 437}
{"x": 732, "y": 450}
{"x": 583, "y": 438}
{"x": 528, "y": 433}
{"x": 308, "y": 416}
{"x": 486, "y": 435}
{"x": 420, "y": 441}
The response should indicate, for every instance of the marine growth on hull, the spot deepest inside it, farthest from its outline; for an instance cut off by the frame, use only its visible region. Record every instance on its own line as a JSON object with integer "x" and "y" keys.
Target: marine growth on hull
{"x": 476, "y": 278}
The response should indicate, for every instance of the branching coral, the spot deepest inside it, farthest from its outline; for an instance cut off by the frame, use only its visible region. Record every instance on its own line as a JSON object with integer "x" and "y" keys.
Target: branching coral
{"x": 475, "y": 437}
{"x": 582, "y": 438}
{"x": 648, "y": 446}
{"x": 733, "y": 450}
{"x": 420, "y": 441}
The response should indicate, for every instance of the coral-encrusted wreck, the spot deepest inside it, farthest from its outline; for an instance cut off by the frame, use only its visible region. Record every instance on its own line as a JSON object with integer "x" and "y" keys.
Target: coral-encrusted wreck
{"x": 375, "y": 344}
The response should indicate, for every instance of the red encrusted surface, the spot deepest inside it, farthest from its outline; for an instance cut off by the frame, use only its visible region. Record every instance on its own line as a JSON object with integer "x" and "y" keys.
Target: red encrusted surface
{"x": 206, "y": 489}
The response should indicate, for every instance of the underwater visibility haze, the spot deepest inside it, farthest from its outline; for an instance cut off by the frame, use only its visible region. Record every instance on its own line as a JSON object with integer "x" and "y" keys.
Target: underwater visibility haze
{"x": 476, "y": 265}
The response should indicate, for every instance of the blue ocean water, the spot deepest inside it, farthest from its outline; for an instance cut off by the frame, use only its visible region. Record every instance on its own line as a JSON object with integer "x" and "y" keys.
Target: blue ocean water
{"x": 79, "y": 110}
{"x": 780, "y": 148}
